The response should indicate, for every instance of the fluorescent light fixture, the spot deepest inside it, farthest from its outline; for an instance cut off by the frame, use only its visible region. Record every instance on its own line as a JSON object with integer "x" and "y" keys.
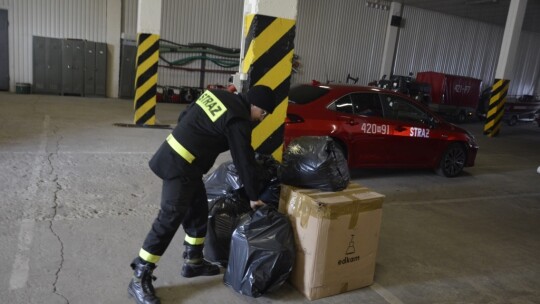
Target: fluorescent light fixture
{"x": 378, "y": 4}
{"x": 481, "y": 2}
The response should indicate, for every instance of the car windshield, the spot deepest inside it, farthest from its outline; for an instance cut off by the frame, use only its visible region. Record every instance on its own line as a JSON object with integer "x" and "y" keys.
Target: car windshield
{"x": 304, "y": 94}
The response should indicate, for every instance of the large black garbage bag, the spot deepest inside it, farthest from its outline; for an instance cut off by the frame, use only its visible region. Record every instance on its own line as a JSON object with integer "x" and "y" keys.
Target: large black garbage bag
{"x": 228, "y": 201}
{"x": 225, "y": 180}
{"x": 262, "y": 253}
{"x": 314, "y": 162}
{"x": 270, "y": 193}
{"x": 268, "y": 175}
{"x": 223, "y": 218}
{"x": 222, "y": 182}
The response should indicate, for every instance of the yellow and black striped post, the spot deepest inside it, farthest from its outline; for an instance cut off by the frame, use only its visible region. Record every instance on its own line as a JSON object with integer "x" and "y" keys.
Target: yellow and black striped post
{"x": 495, "y": 112}
{"x": 269, "y": 46}
{"x": 146, "y": 79}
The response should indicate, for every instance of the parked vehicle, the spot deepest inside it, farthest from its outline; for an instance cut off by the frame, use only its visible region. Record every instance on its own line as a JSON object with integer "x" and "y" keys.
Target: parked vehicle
{"x": 454, "y": 97}
{"x": 378, "y": 128}
{"x": 483, "y": 104}
{"x": 406, "y": 85}
{"x": 520, "y": 109}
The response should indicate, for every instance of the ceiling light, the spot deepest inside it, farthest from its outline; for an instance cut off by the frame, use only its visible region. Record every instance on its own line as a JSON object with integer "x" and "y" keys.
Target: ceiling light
{"x": 473, "y": 2}
{"x": 378, "y": 4}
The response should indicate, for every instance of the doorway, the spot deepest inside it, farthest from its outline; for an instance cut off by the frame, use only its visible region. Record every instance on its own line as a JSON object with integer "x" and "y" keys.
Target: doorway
{"x": 4, "y": 52}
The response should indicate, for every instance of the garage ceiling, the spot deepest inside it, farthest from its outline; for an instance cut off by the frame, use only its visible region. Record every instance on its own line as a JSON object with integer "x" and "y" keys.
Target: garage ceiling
{"x": 490, "y": 11}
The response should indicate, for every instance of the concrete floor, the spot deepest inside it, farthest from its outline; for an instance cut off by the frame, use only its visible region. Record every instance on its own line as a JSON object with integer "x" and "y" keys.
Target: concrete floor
{"x": 77, "y": 198}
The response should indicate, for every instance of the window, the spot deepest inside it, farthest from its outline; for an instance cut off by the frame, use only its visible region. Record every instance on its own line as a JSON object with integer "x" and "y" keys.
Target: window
{"x": 367, "y": 104}
{"x": 401, "y": 109}
{"x": 304, "y": 94}
{"x": 344, "y": 105}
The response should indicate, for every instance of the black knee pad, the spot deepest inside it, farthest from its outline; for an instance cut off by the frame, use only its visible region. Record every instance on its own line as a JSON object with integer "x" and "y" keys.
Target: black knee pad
{"x": 172, "y": 211}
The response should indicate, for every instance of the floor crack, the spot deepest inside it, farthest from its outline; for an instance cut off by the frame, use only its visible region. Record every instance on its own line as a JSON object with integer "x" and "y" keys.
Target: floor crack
{"x": 57, "y": 188}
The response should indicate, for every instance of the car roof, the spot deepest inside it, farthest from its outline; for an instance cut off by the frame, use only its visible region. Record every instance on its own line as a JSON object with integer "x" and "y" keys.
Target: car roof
{"x": 348, "y": 87}
{"x": 338, "y": 89}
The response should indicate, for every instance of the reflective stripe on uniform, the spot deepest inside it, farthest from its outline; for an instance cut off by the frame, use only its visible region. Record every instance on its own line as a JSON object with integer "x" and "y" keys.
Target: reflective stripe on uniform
{"x": 147, "y": 256}
{"x": 180, "y": 149}
{"x": 211, "y": 105}
{"x": 194, "y": 240}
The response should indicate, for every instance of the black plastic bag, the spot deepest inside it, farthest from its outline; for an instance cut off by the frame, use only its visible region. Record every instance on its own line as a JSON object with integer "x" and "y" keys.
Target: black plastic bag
{"x": 222, "y": 182}
{"x": 262, "y": 253}
{"x": 223, "y": 218}
{"x": 314, "y": 162}
{"x": 228, "y": 201}
{"x": 268, "y": 175}
{"x": 270, "y": 193}
{"x": 225, "y": 181}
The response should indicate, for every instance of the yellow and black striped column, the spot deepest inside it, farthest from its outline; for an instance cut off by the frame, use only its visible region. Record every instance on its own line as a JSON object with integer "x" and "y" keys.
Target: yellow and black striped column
{"x": 495, "y": 112}
{"x": 146, "y": 79}
{"x": 269, "y": 47}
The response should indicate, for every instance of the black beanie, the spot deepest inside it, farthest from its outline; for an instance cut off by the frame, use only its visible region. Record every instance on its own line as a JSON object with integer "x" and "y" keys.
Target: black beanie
{"x": 262, "y": 97}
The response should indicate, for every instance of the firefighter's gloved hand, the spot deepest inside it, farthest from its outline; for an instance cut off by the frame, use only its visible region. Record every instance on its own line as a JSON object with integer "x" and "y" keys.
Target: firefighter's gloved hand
{"x": 256, "y": 204}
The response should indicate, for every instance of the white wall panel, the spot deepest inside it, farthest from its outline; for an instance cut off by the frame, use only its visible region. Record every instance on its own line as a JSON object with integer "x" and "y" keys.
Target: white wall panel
{"x": 185, "y": 22}
{"x": 203, "y": 21}
{"x": 76, "y": 19}
{"x": 526, "y": 66}
{"x": 129, "y": 19}
{"x": 333, "y": 38}
{"x": 431, "y": 41}
{"x": 336, "y": 38}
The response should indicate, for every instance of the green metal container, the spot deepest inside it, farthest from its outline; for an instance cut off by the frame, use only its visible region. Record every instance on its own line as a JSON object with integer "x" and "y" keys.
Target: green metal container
{"x": 23, "y": 88}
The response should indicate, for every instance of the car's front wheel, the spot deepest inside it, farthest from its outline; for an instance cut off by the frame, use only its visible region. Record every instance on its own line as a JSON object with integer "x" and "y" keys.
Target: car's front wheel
{"x": 452, "y": 160}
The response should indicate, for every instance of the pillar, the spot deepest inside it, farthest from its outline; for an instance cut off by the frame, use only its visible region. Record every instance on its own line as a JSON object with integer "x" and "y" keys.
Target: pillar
{"x": 268, "y": 48}
{"x": 148, "y": 29}
{"x": 499, "y": 89}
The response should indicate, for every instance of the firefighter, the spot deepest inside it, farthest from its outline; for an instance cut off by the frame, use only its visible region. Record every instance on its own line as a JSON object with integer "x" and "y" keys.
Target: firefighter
{"x": 216, "y": 122}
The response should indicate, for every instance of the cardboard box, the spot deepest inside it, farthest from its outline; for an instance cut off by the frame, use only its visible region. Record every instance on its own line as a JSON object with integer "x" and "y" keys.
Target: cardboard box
{"x": 336, "y": 234}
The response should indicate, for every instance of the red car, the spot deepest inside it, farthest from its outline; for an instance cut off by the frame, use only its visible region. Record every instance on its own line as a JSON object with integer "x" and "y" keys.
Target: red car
{"x": 378, "y": 128}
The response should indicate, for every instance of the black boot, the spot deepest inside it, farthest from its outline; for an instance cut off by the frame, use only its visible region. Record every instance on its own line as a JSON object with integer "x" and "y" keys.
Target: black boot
{"x": 195, "y": 265}
{"x": 140, "y": 286}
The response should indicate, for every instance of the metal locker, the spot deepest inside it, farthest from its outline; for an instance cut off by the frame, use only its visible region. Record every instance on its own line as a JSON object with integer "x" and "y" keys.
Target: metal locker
{"x": 127, "y": 69}
{"x": 54, "y": 66}
{"x": 89, "y": 68}
{"x": 101, "y": 69}
{"x": 46, "y": 62}
{"x": 39, "y": 63}
{"x": 73, "y": 66}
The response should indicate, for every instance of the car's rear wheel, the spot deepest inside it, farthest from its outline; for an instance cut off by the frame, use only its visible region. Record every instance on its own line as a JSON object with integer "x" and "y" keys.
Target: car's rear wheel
{"x": 452, "y": 160}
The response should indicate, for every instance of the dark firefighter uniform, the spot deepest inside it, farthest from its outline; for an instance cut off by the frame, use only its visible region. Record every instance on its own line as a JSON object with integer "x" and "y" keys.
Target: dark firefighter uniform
{"x": 218, "y": 121}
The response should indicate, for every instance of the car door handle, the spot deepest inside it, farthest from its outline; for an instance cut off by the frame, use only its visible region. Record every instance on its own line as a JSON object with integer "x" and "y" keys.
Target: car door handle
{"x": 400, "y": 129}
{"x": 348, "y": 120}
